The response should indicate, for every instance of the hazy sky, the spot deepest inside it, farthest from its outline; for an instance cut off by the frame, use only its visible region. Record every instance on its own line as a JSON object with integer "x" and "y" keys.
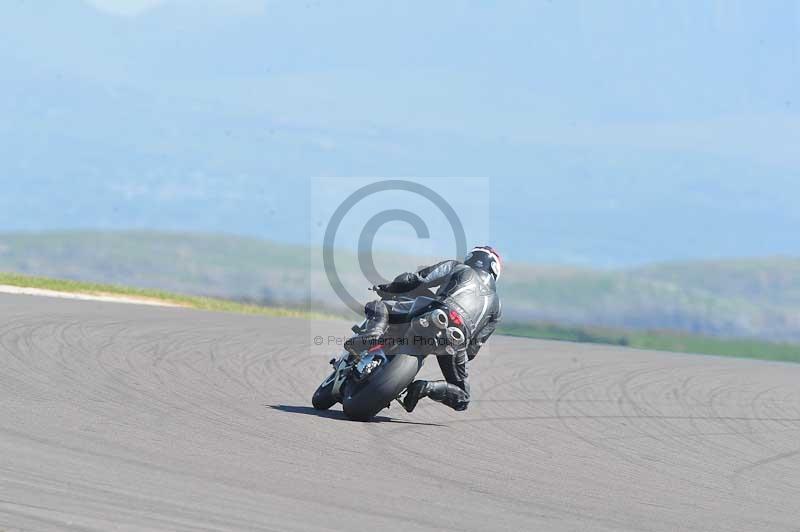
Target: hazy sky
{"x": 132, "y": 8}
{"x": 124, "y": 7}
{"x": 612, "y": 132}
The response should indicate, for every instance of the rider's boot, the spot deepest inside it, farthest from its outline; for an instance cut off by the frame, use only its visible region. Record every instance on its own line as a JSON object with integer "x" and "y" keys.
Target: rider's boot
{"x": 416, "y": 391}
{"x": 377, "y": 322}
{"x": 440, "y": 391}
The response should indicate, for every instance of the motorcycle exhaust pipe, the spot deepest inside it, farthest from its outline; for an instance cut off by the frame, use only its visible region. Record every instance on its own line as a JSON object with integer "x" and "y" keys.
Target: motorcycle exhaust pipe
{"x": 455, "y": 336}
{"x": 439, "y": 318}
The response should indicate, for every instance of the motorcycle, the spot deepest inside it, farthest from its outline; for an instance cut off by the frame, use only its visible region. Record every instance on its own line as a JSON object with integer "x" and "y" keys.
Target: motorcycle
{"x": 368, "y": 381}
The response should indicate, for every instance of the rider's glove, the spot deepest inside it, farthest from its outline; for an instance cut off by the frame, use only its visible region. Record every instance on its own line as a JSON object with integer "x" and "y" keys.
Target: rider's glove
{"x": 472, "y": 350}
{"x": 405, "y": 282}
{"x": 381, "y": 290}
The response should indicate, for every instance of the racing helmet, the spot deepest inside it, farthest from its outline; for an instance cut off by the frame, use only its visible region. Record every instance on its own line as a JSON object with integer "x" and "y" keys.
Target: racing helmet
{"x": 485, "y": 258}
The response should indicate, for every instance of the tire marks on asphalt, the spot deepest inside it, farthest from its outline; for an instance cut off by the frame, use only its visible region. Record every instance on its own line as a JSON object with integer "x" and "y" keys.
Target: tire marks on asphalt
{"x": 171, "y": 419}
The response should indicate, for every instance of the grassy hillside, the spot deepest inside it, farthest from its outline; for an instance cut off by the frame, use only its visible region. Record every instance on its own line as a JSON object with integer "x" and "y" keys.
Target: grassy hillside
{"x": 649, "y": 299}
{"x": 742, "y": 298}
{"x": 658, "y": 340}
{"x": 196, "y": 302}
{"x": 219, "y": 266}
{"x": 769, "y": 281}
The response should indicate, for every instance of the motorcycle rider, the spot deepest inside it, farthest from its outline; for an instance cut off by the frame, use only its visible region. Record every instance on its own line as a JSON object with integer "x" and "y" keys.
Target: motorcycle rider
{"x": 468, "y": 288}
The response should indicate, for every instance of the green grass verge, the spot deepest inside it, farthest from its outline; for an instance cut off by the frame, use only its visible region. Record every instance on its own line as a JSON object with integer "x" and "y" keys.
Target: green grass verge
{"x": 196, "y": 302}
{"x": 658, "y": 340}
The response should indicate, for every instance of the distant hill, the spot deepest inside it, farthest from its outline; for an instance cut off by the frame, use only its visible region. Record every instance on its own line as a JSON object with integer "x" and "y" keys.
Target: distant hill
{"x": 736, "y": 298}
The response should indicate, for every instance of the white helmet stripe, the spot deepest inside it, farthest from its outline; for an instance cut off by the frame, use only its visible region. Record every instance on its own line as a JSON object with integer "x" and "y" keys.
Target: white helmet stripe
{"x": 488, "y": 252}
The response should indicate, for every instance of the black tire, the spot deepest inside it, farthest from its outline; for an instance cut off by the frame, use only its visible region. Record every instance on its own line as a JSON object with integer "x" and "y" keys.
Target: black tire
{"x": 323, "y": 398}
{"x": 363, "y": 403}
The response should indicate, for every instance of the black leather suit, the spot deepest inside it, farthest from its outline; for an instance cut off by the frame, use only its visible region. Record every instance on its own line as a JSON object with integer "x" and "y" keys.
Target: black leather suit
{"x": 471, "y": 293}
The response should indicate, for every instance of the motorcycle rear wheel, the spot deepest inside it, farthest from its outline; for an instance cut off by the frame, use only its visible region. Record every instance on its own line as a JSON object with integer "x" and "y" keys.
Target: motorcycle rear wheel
{"x": 361, "y": 404}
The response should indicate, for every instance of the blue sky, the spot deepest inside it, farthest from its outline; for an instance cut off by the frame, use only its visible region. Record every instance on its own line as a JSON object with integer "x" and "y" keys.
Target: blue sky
{"x": 612, "y": 132}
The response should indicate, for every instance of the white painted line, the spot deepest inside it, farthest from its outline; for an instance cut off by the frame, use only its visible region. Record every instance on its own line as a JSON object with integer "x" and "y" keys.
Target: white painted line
{"x": 20, "y": 290}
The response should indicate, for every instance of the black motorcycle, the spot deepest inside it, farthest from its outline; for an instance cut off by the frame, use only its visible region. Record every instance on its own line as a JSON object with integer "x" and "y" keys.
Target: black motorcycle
{"x": 367, "y": 382}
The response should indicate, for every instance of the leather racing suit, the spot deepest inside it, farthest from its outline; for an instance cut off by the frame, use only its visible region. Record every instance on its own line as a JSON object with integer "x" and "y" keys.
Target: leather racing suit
{"x": 470, "y": 292}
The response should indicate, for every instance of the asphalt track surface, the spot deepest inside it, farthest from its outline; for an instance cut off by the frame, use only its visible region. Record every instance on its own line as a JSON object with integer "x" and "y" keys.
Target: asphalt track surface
{"x": 120, "y": 417}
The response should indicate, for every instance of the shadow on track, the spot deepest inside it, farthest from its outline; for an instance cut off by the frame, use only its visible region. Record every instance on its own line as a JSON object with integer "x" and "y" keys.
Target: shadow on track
{"x": 338, "y": 414}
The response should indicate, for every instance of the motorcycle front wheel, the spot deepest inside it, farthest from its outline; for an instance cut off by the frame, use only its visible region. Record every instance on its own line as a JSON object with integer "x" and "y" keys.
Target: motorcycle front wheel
{"x": 323, "y": 398}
